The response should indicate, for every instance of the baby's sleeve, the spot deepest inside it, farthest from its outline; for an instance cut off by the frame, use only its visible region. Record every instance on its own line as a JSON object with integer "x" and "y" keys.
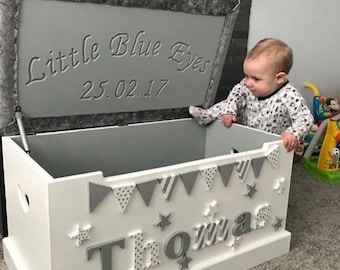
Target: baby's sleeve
{"x": 301, "y": 116}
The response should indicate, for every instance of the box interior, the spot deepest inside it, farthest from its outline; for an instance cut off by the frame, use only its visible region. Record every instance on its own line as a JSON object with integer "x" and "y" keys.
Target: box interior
{"x": 120, "y": 150}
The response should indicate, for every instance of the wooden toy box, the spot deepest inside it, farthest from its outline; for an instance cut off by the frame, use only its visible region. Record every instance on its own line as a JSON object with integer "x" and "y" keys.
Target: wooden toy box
{"x": 164, "y": 194}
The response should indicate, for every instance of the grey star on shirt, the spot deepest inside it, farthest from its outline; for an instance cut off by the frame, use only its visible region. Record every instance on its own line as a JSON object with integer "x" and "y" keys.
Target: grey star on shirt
{"x": 277, "y": 223}
{"x": 250, "y": 190}
{"x": 163, "y": 221}
{"x": 184, "y": 262}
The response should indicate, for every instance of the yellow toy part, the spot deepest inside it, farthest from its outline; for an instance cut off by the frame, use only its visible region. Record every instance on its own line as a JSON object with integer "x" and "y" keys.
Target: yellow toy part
{"x": 328, "y": 158}
{"x": 313, "y": 88}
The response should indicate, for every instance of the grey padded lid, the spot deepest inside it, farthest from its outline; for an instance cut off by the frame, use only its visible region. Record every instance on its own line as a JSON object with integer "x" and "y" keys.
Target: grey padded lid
{"x": 77, "y": 58}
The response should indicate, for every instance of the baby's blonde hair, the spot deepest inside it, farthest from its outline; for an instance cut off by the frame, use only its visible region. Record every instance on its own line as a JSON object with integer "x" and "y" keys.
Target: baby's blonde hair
{"x": 280, "y": 52}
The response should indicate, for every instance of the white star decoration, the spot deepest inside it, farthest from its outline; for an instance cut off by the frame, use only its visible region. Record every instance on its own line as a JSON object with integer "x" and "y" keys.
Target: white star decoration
{"x": 80, "y": 234}
{"x": 280, "y": 185}
{"x": 235, "y": 242}
{"x": 211, "y": 210}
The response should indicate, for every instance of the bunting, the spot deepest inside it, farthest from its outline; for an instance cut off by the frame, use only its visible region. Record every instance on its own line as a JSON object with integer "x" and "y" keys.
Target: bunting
{"x": 97, "y": 193}
{"x": 257, "y": 164}
{"x": 146, "y": 190}
{"x": 273, "y": 157}
{"x": 225, "y": 172}
{"x": 168, "y": 184}
{"x": 123, "y": 195}
{"x": 188, "y": 180}
{"x": 242, "y": 168}
{"x": 208, "y": 175}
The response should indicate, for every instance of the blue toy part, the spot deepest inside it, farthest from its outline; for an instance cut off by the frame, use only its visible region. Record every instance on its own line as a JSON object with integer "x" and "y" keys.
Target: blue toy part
{"x": 320, "y": 110}
{"x": 312, "y": 130}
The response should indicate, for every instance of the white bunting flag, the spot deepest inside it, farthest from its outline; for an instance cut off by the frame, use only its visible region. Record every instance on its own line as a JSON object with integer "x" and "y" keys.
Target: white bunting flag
{"x": 167, "y": 184}
{"x": 209, "y": 175}
{"x": 242, "y": 168}
{"x": 273, "y": 157}
{"x": 123, "y": 195}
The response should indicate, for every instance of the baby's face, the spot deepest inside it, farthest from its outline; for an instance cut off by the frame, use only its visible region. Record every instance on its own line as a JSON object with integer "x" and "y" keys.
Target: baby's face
{"x": 260, "y": 77}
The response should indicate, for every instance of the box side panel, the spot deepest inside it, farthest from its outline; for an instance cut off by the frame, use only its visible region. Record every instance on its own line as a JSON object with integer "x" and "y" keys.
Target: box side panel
{"x": 28, "y": 241}
{"x": 237, "y": 138}
{"x": 208, "y": 214}
{"x": 70, "y": 208}
{"x": 119, "y": 150}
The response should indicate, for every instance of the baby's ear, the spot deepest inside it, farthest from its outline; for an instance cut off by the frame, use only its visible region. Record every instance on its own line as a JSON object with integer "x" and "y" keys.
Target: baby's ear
{"x": 281, "y": 77}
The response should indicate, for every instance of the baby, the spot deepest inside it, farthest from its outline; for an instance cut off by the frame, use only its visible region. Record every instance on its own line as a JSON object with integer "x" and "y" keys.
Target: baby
{"x": 264, "y": 99}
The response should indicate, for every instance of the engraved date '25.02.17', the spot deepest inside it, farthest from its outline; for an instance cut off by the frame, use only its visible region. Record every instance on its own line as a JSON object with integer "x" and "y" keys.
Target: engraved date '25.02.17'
{"x": 123, "y": 89}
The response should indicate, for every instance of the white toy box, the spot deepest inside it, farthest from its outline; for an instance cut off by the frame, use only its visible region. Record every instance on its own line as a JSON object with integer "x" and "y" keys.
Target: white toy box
{"x": 165, "y": 194}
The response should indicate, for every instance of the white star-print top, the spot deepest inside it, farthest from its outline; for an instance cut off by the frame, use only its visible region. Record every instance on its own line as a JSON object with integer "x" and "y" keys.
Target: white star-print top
{"x": 284, "y": 111}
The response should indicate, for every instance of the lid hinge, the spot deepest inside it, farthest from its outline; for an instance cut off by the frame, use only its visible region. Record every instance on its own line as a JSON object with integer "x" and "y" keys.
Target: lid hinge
{"x": 18, "y": 117}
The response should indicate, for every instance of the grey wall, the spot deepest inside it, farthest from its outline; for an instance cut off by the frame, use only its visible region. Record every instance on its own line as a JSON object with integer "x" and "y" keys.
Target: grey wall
{"x": 310, "y": 27}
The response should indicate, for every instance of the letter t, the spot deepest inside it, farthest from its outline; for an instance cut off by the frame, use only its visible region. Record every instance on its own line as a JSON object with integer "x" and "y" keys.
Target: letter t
{"x": 105, "y": 250}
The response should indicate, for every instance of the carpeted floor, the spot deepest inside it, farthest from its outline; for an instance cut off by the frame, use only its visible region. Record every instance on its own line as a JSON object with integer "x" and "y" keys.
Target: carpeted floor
{"x": 314, "y": 221}
{"x": 2, "y": 262}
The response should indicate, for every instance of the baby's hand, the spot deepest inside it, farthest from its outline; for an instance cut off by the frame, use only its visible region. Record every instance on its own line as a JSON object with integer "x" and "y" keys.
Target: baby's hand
{"x": 289, "y": 141}
{"x": 228, "y": 119}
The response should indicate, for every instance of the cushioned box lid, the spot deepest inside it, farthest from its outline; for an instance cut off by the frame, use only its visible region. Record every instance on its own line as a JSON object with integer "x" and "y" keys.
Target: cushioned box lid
{"x": 78, "y": 58}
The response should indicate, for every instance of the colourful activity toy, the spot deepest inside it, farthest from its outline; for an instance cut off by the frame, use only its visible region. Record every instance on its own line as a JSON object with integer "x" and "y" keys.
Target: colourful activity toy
{"x": 325, "y": 165}
{"x": 320, "y": 111}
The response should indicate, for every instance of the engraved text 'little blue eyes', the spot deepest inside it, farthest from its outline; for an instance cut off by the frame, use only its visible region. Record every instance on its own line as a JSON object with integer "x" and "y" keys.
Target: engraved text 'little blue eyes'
{"x": 54, "y": 63}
